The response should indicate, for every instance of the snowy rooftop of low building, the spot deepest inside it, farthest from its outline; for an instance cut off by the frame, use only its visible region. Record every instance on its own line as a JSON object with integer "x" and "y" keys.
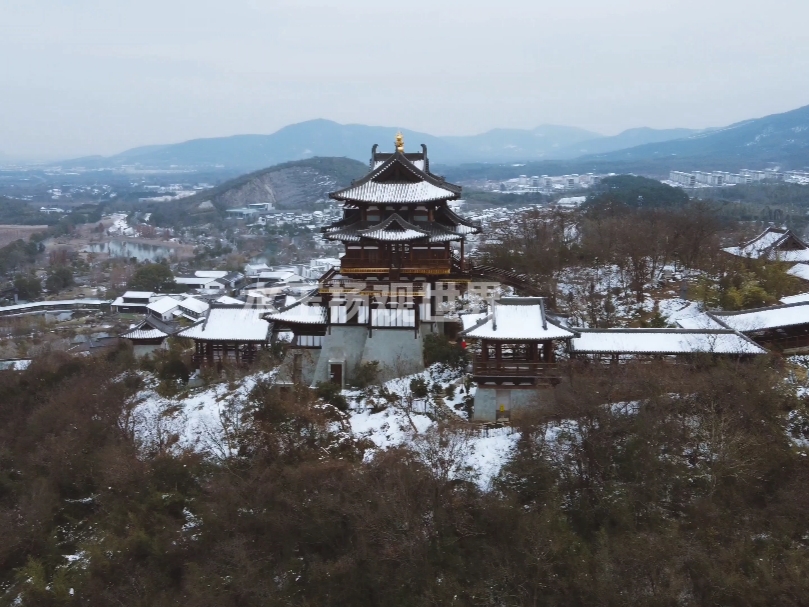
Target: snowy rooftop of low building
{"x": 195, "y": 305}
{"x": 470, "y": 319}
{"x": 211, "y": 273}
{"x": 194, "y": 280}
{"x": 300, "y": 313}
{"x": 698, "y": 321}
{"x": 765, "y": 318}
{"x": 55, "y": 304}
{"x": 278, "y": 275}
{"x": 517, "y": 319}
{"x": 163, "y": 305}
{"x": 17, "y": 364}
{"x": 231, "y": 323}
{"x": 773, "y": 243}
{"x": 799, "y": 298}
{"x": 136, "y": 334}
{"x": 150, "y": 328}
{"x": 799, "y": 270}
{"x": 230, "y": 301}
{"x": 662, "y": 341}
{"x": 137, "y": 294}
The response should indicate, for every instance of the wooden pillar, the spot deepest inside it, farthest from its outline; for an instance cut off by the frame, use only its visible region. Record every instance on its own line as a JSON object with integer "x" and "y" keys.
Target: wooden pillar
{"x": 417, "y": 313}
{"x": 549, "y": 354}
{"x": 462, "y": 256}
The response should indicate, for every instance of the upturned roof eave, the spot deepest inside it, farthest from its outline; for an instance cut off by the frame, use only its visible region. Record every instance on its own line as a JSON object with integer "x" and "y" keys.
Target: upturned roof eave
{"x": 453, "y": 191}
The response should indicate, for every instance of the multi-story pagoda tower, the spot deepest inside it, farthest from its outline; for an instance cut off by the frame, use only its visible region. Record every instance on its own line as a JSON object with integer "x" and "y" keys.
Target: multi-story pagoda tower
{"x": 398, "y": 232}
{"x": 397, "y": 224}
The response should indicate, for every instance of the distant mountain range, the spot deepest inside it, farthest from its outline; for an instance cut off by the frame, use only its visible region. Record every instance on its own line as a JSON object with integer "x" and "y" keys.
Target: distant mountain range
{"x": 780, "y": 138}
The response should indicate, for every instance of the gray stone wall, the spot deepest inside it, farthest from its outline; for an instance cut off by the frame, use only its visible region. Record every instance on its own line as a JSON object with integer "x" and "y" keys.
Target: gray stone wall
{"x": 398, "y": 351}
{"x": 518, "y": 399}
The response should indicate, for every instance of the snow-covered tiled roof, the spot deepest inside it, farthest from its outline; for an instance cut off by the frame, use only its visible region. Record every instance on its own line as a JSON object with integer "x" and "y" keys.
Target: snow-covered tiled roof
{"x": 276, "y": 275}
{"x": 799, "y": 270}
{"x": 230, "y": 301}
{"x": 698, "y": 321}
{"x": 398, "y": 180}
{"x": 393, "y": 235}
{"x": 230, "y": 323}
{"x": 765, "y": 318}
{"x": 662, "y": 341}
{"x": 419, "y": 164}
{"x": 138, "y": 294}
{"x": 394, "y": 193}
{"x": 767, "y": 245}
{"x": 211, "y": 273}
{"x": 194, "y": 304}
{"x": 163, "y": 305}
{"x": 471, "y": 319}
{"x": 517, "y": 319}
{"x": 302, "y": 314}
{"x": 799, "y": 298}
{"x": 55, "y": 304}
{"x": 194, "y": 280}
{"x": 136, "y": 334}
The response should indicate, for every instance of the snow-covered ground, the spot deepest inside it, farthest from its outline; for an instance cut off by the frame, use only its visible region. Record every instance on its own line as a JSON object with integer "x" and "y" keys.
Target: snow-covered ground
{"x": 120, "y": 226}
{"x": 204, "y": 420}
{"x": 201, "y": 420}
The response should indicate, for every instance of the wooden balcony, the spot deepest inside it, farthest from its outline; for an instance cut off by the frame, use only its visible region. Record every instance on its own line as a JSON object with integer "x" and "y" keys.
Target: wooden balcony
{"x": 407, "y": 266}
{"x": 518, "y": 371}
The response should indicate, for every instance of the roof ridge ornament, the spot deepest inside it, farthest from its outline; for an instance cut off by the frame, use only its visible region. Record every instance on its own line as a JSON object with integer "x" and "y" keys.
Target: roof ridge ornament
{"x": 400, "y": 142}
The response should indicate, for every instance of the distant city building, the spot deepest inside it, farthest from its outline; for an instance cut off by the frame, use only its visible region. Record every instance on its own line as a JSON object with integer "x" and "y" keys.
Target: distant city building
{"x": 697, "y": 179}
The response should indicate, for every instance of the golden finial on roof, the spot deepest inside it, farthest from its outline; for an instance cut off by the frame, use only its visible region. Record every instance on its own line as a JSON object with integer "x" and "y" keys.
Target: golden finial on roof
{"x": 399, "y": 142}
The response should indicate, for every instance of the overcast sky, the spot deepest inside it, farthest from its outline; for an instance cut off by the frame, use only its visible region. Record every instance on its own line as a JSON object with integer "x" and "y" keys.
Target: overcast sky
{"x": 100, "y": 76}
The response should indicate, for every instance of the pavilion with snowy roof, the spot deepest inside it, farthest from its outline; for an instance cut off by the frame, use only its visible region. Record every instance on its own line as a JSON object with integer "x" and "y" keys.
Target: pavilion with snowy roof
{"x": 229, "y": 333}
{"x": 784, "y": 327}
{"x": 774, "y": 244}
{"x": 514, "y": 362}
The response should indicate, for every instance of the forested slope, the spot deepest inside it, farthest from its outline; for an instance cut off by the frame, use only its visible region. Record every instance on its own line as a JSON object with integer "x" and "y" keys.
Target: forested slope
{"x": 649, "y": 485}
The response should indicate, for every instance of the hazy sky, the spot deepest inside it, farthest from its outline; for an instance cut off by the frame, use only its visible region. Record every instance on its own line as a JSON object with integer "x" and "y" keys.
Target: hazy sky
{"x": 99, "y": 76}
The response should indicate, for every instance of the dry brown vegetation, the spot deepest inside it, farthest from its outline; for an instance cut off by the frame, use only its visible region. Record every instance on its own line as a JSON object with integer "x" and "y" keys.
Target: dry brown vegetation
{"x": 650, "y": 485}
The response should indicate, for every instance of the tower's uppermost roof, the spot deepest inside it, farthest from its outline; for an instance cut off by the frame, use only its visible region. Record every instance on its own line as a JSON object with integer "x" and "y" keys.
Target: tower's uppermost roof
{"x": 399, "y": 177}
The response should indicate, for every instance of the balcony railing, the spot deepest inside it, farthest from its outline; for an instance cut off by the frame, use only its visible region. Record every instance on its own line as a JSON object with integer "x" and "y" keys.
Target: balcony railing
{"x": 422, "y": 266}
{"x": 515, "y": 368}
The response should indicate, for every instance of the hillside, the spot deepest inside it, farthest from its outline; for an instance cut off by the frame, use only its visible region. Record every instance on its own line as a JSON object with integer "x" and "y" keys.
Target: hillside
{"x": 291, "y": 185}
{"x": 518, "y": 144}
{"x": 625, "y": 139}
{"x": 782, "y": 139}
{"x": 294, "y": 142}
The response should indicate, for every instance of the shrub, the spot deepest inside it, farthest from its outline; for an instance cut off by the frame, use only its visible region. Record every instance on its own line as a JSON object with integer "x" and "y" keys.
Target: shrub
{"x": 367, "y": 374}
{"x": 438, "y": 349}
{"x": 332, "y": 394}
{"x": 418, "y": 387}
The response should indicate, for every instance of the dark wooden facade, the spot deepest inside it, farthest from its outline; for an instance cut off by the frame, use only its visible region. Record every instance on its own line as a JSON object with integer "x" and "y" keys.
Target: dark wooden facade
{"x": 517, "y": 363}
